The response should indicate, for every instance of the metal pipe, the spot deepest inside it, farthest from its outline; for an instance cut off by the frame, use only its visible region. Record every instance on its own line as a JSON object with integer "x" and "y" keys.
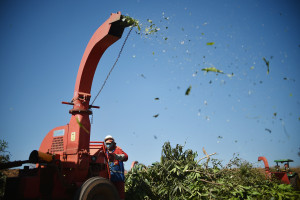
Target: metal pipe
{"x": 38, "y": 156}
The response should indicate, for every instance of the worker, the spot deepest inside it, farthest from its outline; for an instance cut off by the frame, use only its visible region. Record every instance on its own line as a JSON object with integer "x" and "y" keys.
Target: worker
{"x": 116, "y": 158}
{"x": 286, "y": 167}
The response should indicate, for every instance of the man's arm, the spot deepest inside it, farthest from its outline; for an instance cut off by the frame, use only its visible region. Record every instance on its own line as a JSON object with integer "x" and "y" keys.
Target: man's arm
{"x": 120, "y": 154}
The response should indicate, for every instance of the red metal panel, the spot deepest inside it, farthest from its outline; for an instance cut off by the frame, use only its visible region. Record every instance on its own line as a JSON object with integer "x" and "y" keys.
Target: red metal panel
{"x": 50, "y": 142}
{"x": 281, "y": 176}
{"x": 30, "y": 187}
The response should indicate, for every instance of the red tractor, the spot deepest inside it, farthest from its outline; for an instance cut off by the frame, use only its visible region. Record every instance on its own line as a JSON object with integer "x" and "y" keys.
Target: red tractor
{"x": 284, "y": 175}
{"x": 68, "y": 164}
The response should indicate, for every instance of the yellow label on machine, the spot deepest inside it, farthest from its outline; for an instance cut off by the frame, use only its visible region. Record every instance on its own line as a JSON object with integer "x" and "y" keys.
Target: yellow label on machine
{"x": 73, "y": 135}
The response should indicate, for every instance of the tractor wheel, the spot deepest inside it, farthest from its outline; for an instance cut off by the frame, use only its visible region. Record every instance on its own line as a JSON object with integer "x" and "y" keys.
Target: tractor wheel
{"x": 295, "y": 182}
{"x": 97, "y": 188}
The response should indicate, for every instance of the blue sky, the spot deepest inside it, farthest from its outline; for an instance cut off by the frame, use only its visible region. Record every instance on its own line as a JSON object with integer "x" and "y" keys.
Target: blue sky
{"x": 251, "y": 113}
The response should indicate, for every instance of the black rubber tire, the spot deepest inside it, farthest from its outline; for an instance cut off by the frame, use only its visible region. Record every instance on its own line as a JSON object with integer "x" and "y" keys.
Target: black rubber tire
{"x": 295, "y": 182}
{"x": 97, "y": 188}
{"x": 78, "y": 192}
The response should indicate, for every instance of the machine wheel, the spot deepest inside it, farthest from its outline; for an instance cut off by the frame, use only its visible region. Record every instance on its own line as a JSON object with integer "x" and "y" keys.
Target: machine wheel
{"x": 97, "y": 188}
{"x": 295, "y": 182}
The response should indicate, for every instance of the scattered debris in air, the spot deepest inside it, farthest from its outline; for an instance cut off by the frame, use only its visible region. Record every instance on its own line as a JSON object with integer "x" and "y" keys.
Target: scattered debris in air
{"x": 187, "y": 92}
{"x": 143, "y": 76}
{"x": 155, "y": 116}
{"x": 266, "y": 129}
{"x": 195, "y": 73}
{"x": 212, "y": 69}
{"x": 284, "y": 129}
{"x": 268, "y": 64}
{"x": 289, "y": 79}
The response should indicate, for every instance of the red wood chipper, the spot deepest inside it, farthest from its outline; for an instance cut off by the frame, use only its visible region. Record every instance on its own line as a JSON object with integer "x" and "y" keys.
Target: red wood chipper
{"x": 68, "y": 164}
{"x": 285, "y": 175}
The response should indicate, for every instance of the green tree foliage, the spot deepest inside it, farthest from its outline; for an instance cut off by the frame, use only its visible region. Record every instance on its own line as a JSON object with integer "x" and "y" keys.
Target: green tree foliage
{"x": 179, "y": 175}
{"x": 4, "y": 157}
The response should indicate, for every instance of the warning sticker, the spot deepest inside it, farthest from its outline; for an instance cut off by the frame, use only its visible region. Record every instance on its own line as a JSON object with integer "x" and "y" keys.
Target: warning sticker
{"x": 73, "y": 135}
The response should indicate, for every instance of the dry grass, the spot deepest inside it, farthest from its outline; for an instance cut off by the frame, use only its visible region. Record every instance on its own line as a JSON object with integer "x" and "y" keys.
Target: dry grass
{"x": 11, "y": 172}
{"x": 296, "y": 169}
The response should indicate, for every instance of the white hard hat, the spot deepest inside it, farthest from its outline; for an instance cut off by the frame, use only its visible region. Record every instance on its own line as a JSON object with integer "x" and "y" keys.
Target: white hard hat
{"x": 109, "y": 137}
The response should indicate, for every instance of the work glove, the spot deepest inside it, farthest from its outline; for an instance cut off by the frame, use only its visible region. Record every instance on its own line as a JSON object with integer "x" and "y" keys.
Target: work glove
{"x": 120, "y": 157}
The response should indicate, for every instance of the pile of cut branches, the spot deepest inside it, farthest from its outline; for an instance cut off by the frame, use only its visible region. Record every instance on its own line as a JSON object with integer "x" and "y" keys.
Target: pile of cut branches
{"x": 179, "y": 175}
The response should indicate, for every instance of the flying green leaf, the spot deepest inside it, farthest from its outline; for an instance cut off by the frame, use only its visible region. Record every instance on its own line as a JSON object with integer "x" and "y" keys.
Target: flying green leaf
{"x": 153, "y": 53}
{"x": 187, "y": 92}
{"x": 268, "y": 64}
{"x": 275, "y": 114}
{"x": 156, "y": 99}
{"x": 252, "y": 67}
{"x": 212, "y": 69}
{"x": 81, "y": 126}
{"x": 210, "y": 43}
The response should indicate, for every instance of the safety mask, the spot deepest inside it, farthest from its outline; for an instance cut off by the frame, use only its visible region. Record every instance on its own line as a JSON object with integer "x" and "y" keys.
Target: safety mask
{"x": 109, "y": 145}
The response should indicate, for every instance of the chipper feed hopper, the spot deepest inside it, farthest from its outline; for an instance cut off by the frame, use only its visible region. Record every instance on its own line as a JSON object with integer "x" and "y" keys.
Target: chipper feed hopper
{"x": 68, "y": 164}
